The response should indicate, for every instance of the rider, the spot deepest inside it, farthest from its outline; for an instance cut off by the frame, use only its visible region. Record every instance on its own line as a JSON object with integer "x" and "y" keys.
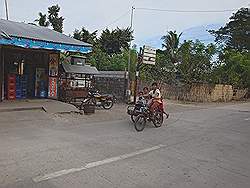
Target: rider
{"x": 156, "y": 99}
{"x": 146, "y": 93}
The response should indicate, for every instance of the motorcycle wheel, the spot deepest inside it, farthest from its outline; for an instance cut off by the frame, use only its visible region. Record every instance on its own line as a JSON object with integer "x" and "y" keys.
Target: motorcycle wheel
{"x": 133, "y": 117}
{"x": 108, "y": 104}
{"x": 140, "y": 122}
{"x": 158, "y": 119}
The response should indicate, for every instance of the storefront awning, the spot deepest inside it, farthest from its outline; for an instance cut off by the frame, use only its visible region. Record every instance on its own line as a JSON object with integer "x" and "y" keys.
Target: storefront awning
{"x": 37, "y": 37}
{"x": 86, "y": 69}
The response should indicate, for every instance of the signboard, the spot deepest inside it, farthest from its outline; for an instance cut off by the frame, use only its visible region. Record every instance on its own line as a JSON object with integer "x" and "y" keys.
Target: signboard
{"x": 52, "y": 87}
{"x": 53, "y": 64}
{"x": 149, "y": 55}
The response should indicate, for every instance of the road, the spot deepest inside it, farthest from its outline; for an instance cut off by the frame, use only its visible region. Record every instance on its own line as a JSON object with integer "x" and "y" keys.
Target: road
{"x": 200, "y": 146}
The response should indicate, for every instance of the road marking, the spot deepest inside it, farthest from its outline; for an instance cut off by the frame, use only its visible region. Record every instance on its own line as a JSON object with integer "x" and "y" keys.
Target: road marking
{"x": 247, "y": 119}
{"x": 95, "y": 164}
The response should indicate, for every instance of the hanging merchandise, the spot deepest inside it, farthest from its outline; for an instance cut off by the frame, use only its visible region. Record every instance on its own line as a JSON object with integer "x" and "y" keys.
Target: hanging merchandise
{"x": 40, "y": 84}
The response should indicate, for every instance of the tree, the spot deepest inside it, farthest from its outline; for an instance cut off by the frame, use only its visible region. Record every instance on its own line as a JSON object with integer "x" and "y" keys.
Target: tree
{"x": 54, "y": 18}
{"x": 236, "y": 33}
{"x": 113, "y": 42}
{"x": 162, "y": 71}
{"x": 116, "y": 62}
{"x": 171, "y": 43}
{"x": 99, "y": 59}
{"x": 233, "y": 68}
{"x": 42, "y": 20}
{"x": 85, "y": 36}
{"x": 196, "y": 61}
{"x": 110, "y": 50}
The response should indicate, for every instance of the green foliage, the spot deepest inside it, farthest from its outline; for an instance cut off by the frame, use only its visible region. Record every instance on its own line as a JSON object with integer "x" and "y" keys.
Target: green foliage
{"x": 171, "y": 43}
{"x": 115, "y": 41}
{"x": 85, "y": 36}
{"x": 110, "y": 50}
{"x": 54, "y": 18}
{"x": 233, "y": 68}
{"x": 64, "y": 57}
{"x": 162, "y": 71}
{"x": 191, "y": 61}
{"x": 194, "y": 64}
{"x": 236, "y": 33}
{"x": 116, "y": 62}
{"x": 196, "y": 61}
{"x": 42, "y": 20}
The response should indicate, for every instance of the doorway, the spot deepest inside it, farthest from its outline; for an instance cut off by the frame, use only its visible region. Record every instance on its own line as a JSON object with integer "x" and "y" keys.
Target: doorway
{"x": 25, "y": 74}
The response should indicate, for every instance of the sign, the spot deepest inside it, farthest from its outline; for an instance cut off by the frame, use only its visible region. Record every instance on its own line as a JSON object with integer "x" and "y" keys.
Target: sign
{"x": 52, "y": 87}
{"x": 53, "y": 64}
{"x": 149, "y": 55}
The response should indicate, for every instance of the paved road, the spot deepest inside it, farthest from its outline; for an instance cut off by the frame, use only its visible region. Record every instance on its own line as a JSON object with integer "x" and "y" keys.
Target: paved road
{"x": 201, "y": 146}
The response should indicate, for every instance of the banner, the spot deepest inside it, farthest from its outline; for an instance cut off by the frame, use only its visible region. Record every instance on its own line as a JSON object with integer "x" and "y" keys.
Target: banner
{"x": 52, "y": 87}
{"x": 53, "y": 64}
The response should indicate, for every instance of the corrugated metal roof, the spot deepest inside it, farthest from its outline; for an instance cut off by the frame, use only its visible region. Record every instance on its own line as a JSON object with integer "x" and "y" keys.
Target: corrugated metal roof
{"x": 34, "y": 32}
{"x": 86, "y": 69}
{"x": 111, "y": 74}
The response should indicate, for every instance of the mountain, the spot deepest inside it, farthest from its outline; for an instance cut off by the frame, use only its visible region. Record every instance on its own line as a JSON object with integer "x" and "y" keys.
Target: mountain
{"x": 193, "y": 33}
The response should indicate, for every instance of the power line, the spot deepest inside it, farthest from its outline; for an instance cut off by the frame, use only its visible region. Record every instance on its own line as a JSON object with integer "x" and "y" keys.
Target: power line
{"x": 116, "y": 20}
{"x": 186, "y": 11}
{"x": 167, "y": 10}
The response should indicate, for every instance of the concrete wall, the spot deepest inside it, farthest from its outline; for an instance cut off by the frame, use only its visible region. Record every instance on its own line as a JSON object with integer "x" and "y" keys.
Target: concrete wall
{"x": 239, "y": 94}
{"x": 112, "y": 82}
{"x": 202, "y": 93}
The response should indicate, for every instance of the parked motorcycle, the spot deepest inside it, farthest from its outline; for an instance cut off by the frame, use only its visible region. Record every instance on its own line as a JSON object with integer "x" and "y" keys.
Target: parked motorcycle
{"x": 106, "y": 101}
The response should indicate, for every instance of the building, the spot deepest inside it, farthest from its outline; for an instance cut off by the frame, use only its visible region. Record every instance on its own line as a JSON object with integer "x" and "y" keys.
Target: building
{"x": 29, "y": 59}
{"x": 113, "y": 82}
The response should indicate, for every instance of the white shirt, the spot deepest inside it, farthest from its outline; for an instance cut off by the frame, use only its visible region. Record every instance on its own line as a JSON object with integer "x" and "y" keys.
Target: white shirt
{"x": 155, "y": 94}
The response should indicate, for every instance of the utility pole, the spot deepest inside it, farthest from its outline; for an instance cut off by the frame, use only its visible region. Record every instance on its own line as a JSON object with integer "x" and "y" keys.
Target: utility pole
{"x": 6, "y": 9}
{"x": 137, "y": 69}
{"x": 129, "y": 53}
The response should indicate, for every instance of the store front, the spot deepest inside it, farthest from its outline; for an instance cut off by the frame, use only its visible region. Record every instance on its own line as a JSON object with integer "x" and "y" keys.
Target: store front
{"x": 29, "y": 60}
{"x": 27, "y": 73}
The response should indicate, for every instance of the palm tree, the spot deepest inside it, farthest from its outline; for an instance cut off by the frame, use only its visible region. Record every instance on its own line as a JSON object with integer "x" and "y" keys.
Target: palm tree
{"x": 54, "y": 18}
{"x": 171, "y": 43}
{"x": 42, "y": 20}
{"x": 85, "y": 35}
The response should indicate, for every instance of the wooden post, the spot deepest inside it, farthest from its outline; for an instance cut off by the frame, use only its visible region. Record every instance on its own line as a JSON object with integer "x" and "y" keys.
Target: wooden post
{"x": 137, "y": 74}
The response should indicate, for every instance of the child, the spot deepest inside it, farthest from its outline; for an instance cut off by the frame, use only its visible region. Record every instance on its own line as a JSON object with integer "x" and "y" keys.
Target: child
{"x": 140, "y": 102}
{"x": 141, "y": 98}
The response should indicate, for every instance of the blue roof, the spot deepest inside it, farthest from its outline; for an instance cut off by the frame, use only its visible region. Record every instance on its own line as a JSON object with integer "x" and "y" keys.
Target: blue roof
{"x": 33, "y": 36}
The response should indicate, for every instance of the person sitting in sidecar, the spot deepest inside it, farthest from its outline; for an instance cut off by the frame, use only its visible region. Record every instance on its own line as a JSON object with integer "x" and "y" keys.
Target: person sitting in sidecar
{"x": 140, "y": 102}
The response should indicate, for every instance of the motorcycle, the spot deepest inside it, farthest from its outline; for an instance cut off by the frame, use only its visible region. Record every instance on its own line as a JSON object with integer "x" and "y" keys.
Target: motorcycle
{"x": 140, "y": 114}
{"x": 106, "y": 101}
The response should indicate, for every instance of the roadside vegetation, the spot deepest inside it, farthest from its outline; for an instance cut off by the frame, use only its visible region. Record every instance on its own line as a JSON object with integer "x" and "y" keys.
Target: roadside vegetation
{"x": 226, "y": 61}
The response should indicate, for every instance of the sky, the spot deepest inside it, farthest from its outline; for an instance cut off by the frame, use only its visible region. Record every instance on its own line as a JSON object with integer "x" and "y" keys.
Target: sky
{"x": 101, "y": 14}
